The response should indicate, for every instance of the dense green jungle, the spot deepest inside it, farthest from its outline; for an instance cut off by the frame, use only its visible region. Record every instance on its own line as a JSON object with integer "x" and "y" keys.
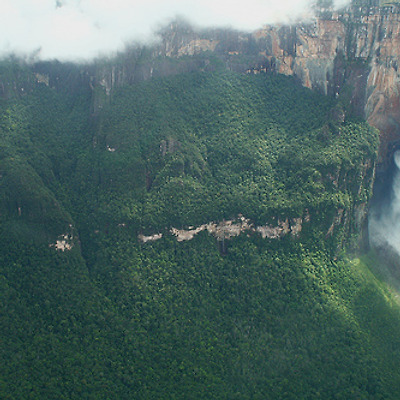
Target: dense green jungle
{"x": 93, "y": 307}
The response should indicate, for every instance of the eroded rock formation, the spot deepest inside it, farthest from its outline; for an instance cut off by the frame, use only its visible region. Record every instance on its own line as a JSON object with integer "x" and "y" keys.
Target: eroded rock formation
{"x": 225, "y": 230}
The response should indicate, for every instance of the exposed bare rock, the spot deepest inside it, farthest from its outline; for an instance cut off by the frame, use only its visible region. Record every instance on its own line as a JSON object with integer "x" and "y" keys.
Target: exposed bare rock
{"x": 64, "y": 242}
{"x": 151, "y": 238}
{"x": 296, "y": 227}
{"x": 337, "y": 220}
{"x": 221, "y": 231}
{"x": 183, "y": 235}
{"x": 270, "y": 232}
{"x": 42, "y": 78}
{"x": 227, "y": 229}
{"x": 197, "y": 46}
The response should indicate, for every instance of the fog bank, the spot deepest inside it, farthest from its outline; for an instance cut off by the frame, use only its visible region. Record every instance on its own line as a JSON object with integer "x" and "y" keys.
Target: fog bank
{"x": 71, "y": 30}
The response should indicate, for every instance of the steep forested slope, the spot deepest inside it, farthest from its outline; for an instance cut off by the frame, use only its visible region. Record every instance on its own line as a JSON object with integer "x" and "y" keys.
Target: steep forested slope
{"x": 91, "y": 311}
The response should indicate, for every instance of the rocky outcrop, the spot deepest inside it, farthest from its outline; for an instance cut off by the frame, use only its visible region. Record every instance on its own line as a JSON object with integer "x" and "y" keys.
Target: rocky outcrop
{"x": 66, "y": 241}
{"x": 225, "y": 230}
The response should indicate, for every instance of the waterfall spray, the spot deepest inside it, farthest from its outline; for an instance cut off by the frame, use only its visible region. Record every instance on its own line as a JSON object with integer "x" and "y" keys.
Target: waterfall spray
{"x": 384, "y": 221}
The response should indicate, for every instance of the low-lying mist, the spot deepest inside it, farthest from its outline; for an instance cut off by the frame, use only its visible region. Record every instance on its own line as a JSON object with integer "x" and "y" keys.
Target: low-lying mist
{"x": 384, "y": 219}
{"x": 79, "y": 30}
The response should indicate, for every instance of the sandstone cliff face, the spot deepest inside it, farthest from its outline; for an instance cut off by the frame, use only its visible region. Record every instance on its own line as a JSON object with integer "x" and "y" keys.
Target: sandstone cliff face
{"x": 353, "y": 55}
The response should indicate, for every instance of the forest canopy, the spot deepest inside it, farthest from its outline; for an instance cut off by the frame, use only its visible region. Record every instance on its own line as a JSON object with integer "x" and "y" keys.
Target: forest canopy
{"x": 111, "y": 317}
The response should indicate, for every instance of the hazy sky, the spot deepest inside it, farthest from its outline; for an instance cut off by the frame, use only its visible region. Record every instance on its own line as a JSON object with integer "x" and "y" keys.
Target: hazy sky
{"x": 81, "y": 29}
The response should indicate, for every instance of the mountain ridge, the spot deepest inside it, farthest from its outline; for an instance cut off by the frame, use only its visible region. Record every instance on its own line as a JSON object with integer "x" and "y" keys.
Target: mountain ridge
{"x": 97, "y": 160}
{"x": 351, "y": 54}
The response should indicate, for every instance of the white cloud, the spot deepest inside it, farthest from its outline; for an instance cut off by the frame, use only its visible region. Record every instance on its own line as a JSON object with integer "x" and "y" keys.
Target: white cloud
{"x": 73, "y": 29}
